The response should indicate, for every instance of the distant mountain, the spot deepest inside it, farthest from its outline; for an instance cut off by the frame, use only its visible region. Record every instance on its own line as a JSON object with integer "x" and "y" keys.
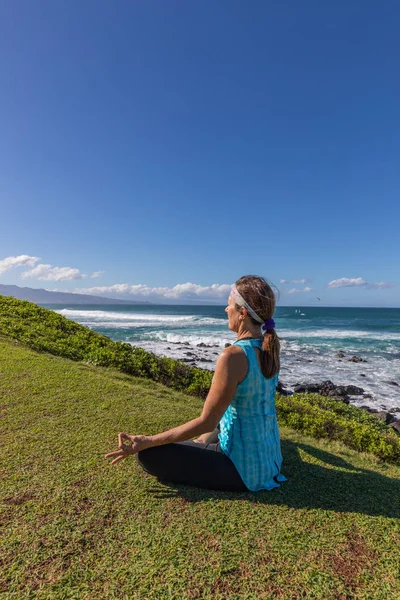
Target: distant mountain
{"x": 40, "y": 296}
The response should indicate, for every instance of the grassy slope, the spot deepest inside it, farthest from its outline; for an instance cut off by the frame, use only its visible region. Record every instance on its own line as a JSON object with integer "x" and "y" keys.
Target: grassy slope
{"x": 74, "y": 527}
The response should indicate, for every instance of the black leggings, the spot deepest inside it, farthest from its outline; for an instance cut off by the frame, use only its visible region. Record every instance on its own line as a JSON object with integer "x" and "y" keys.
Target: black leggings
{"x": 192, "y": 463}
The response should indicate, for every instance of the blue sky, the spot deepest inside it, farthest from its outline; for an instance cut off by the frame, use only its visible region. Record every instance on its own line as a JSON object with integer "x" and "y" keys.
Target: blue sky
{"x": 159, "y": 144}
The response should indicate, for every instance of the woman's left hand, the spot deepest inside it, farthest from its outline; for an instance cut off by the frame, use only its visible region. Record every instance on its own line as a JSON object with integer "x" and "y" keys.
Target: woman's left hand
{"x": 135, "y": 444}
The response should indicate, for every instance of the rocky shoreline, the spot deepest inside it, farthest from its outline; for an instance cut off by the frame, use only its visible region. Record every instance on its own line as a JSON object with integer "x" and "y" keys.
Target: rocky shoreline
{"x": 341, "y": 393}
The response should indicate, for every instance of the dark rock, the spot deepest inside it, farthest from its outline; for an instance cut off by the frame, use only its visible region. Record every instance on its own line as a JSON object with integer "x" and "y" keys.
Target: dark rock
{"x": 286, "y": 393}
{"x": 168, "y": 348}
{"x": 353, "y": 390}
{"x": 227, "y": 345}
{"x": 384, "y": 416}
{"x": 326, "y": 387}
{"x": 204, "y": 360}
{"x": 280, "y": 388}
{"x": 340, "y": 355}
{"x": 368, "y": 409}
{"x": 393, "y": 383}
{"x": 203, "y": 345}
{"x": 323, "y": 388}
{"x": 307, "y": 388}
{"x": 362, "y": 375}
{"x": 396, "y": 409}
{"x": 395, "y": 425}
{"x": 344, "y": 399}
{"x": 357, "y": 359}
{"x": 340, "y": 390}
{"x": 367, "y": 395}
{"x": 189, "y": 354}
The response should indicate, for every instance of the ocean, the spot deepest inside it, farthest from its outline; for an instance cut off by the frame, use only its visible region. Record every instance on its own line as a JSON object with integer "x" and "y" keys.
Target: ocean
{"x": 310, "y": 340}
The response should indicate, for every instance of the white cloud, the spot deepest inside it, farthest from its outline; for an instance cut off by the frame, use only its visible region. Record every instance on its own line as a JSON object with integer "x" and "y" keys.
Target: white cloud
{"x": 297, "y": 291}
{"x": 96, "y": 274}
{"x": 188, "y": 291}
{"x": 347, "y": 282}
{"x": 296, "y": 281}
{"x": 17, "y": 261}
{"x": 359, "y": 282}
{"x": 48, "y": 273}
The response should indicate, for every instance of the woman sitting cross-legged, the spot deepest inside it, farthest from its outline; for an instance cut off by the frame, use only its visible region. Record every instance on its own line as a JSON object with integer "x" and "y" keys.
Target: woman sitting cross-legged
{"x": 244, "y": 452}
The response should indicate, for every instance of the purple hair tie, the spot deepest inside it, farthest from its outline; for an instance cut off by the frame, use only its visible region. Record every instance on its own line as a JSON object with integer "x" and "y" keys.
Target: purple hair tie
{"x": 268, "y": 324}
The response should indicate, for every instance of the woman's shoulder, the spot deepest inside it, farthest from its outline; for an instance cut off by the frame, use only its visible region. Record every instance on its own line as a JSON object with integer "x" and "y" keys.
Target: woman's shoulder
{"x": 232, "y": 351}
{"x": 232, "y": 359}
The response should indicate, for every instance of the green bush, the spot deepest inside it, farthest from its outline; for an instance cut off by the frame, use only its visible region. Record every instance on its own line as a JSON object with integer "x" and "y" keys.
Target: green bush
{"x": 322, "y": 417}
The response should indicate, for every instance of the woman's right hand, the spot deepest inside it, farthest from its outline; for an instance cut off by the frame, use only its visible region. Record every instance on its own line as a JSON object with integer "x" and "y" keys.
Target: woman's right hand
{"x": 202, "y": 439}
{"x": 208, "y": 438}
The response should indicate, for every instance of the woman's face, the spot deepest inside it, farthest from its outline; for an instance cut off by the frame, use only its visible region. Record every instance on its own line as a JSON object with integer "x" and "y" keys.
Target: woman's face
{"x": 233, "y": 315}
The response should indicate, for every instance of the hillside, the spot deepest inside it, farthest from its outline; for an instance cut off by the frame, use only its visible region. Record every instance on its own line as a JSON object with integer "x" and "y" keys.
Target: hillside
{"x": 41, "y": 296}
{"x": 74, "y": 527}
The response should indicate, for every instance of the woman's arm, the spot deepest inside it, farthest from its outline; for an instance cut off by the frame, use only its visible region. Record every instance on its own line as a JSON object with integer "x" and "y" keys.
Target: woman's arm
{"x": 218, "y": 399}
{"x": 230, "y": 369}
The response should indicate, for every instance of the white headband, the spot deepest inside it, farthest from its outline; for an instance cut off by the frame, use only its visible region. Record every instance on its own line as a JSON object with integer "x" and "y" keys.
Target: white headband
{"x": 242, "y": 302}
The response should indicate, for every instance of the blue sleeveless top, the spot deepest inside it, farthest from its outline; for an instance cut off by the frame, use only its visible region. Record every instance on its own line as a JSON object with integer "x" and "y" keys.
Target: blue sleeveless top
{"x": 249, "y": 433}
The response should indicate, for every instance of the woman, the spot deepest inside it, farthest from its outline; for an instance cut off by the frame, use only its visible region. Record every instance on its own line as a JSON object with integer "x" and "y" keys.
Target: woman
{"x": 245, "y": 454}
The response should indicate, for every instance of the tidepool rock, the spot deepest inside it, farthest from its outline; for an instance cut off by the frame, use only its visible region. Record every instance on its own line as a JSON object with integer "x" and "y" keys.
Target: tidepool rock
{"x": 353, "y": 390}
{"x": 357, "y": 359}
{"x": 327, "y": 388}
{"x": 280, "y": 388}
{"x": 395, "y": 425}
{"x": 384, "y": 416}
{"x": 344, "y": 399}
{"x": 307, "y": 388}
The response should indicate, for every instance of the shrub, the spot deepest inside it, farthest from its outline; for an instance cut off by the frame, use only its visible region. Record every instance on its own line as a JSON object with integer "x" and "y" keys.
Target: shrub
{"x": 322, "y": 417}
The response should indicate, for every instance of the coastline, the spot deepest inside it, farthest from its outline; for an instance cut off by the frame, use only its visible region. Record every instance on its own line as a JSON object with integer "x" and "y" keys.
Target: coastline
{"x": 317, "y": 344}
{"x": 204, "y": 356}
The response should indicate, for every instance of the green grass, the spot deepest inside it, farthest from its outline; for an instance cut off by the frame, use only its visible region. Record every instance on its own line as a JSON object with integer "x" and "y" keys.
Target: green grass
{"x": 72, "y": 527}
